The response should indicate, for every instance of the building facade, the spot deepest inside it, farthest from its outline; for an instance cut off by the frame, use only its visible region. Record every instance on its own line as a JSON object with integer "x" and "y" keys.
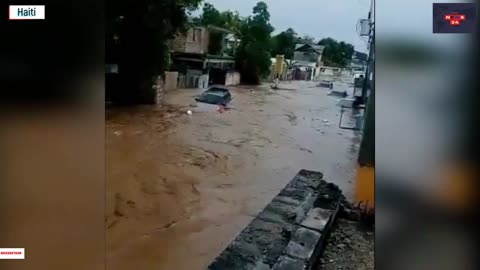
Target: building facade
{"x": 308, "y": 53}
{"x": 306, "y": 62}
{"x": 204, "y": 55}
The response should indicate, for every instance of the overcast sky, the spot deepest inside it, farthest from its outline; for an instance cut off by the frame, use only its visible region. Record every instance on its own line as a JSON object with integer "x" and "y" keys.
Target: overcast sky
{"x": 405, "y": 20}
{"x": 317, "y": 18}
{"x": 412, "y": 20}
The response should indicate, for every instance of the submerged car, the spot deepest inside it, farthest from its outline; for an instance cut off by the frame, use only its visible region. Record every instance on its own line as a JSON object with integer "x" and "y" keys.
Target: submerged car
{"x": 216, "y": 95}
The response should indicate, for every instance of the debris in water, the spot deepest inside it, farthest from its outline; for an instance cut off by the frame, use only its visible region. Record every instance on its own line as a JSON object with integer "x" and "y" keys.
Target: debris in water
{"x": 189, "y": 112}
{"x": 325, "y": 120}
{"x": 118, "y": 133}
{"x": 306, "y": 150}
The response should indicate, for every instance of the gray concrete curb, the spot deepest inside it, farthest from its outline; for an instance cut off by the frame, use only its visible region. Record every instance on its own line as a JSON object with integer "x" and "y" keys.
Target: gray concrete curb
{"x": 290, "y": 232}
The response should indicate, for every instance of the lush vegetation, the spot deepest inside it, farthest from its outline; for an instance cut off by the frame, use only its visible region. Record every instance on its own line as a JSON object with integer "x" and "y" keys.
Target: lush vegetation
{"x": 227, "y": 19}
{"x": 138, "y": 31}
{"x": 336, "y": 54}
{"x": 253, "y": 53}
{"x": 284, "y": 43}
{"x": 136, "y": 39}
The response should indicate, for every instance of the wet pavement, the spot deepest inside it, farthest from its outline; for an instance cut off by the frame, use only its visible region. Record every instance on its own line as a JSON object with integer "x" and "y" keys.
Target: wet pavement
{"x": 180, "y": 187}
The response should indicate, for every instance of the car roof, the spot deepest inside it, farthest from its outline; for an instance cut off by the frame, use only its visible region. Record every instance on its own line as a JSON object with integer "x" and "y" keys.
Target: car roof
{"x": 218, "y": 87}
{"x": 216, "y": 92}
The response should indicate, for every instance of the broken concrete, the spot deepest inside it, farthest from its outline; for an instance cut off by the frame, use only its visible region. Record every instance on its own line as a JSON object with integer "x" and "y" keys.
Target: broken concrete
{"x": 303, "y": 244}
{"x": 288, "y": 263}
{"x": 326, "y": 84}
{"x": 289, "y": 232}
{"x": 317, "y": 219}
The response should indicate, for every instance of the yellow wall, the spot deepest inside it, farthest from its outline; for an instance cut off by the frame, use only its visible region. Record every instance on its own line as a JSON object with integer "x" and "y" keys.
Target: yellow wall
{"x": 365, "y": 186}
{"x": 279, "y": 65}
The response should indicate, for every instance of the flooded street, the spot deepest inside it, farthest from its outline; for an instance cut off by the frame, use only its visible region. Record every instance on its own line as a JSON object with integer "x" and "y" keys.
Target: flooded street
{"x": 181, "y": 187}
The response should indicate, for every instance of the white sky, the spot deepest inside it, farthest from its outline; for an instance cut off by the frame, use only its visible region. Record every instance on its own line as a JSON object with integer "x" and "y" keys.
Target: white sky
{"x": 412, "y": 20}
{"x": 404, "y": 19}
{"x": 317, "y": 18}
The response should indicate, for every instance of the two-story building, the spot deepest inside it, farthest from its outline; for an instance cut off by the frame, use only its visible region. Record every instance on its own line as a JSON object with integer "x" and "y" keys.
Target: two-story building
{"x": 204, "y": 55}
{"x": 308, "y": 53}
{"x": 307, "y": 58}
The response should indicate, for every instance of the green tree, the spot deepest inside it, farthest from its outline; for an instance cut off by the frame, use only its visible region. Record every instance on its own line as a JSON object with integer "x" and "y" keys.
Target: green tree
{"x": 211, "y": 16}
{"x": 136, "y": 39}
{"x": 284, "y": 43}
{"x": 254, "y": 52}
{"x": 226, "y": 19}
{"x": 336, "y": 54}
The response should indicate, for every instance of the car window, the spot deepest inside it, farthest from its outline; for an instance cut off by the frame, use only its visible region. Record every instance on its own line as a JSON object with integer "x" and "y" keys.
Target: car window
{"x": 220, "y": 94}
{"x": 214, "y": 89}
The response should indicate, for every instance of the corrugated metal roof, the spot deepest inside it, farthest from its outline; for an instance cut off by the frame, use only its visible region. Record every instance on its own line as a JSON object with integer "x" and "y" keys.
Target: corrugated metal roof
{"x": 317, "y": 48}
{"x": 303, "y": 63}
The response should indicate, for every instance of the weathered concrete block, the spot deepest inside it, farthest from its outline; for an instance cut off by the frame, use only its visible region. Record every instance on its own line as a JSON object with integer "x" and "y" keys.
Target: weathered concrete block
{"x": 171, "y": 79}
{"x": 303, "y": 244}
{"x": 288, "y": 263}
{"x": 286, "y": 234}
{"x": 303, "y": 209}
{"x": 268, "y": 239}
{"x": 311, "y": 174}
{"x": 271, "y": 217}
{"x": 288, "y": 200}
{"x": 234, "y": 257}
{"x": 317, "y": 219}
{"x": 280, "y": 212}
{"x": 296, "y": 193}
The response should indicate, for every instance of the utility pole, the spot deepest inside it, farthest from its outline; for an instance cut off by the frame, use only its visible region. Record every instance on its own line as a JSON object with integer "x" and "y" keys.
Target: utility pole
{"x": 370, "y": 62}
{"x": 365, "y": 178}
{"x": 366, "y": 156}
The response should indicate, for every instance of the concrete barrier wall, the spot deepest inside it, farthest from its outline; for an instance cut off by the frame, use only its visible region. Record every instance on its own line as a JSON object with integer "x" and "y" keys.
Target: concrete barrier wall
{"x": 291, "y": 230}
{"x": 192, "y": 81}
{"x": 203, "y": 81}
{"x": 232, "y": 78}
{"x": 236, "y": 78}
{"x": 159, "y": 88}
{"x": 228, "y": 79}
{"x": 171, "y": 79}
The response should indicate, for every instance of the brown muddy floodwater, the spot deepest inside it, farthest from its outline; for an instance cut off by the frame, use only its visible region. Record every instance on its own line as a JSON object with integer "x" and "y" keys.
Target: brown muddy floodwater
{"x": 181, "y": 187}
